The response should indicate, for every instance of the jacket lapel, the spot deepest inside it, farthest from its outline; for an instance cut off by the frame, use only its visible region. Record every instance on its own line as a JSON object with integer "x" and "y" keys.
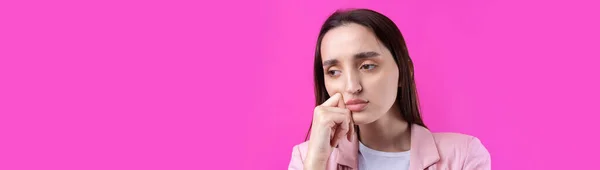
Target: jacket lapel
{"x": 423, "y": 150}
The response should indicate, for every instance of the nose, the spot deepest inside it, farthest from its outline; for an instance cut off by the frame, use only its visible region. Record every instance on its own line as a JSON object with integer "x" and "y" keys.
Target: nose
{"x": 353, "y": 85}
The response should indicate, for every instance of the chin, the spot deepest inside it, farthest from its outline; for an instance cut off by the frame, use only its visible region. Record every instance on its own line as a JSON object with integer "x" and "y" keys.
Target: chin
{"x": 363, "y": 117}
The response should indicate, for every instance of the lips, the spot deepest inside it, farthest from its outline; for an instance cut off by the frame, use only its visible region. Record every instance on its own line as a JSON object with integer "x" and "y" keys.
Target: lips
{"x": 356, "y": 105}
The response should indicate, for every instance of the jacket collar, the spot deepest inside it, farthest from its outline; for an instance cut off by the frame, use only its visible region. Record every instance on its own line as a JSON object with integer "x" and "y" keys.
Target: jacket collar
{"x": 423, "y": 150}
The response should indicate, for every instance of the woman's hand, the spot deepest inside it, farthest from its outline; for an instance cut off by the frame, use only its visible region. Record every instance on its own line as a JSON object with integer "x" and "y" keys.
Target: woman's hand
{"x": 332, "y": 122}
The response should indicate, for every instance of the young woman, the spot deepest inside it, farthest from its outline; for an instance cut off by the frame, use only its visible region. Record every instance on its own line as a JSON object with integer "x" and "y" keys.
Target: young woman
{"x": 367, "y": 114}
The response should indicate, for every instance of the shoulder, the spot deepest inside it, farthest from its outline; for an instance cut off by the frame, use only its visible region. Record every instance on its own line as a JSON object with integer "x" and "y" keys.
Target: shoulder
{"x": 449, "y": 139}
{"x": 462, "y": 148}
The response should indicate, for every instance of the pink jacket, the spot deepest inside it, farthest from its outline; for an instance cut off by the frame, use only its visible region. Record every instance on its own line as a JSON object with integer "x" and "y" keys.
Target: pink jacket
{"x": 433, "y": 151}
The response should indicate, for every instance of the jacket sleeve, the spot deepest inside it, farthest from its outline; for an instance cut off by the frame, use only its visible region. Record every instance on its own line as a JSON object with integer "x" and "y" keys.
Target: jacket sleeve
{"x": 296, "y": 161}
{"x": 478, "y": 158}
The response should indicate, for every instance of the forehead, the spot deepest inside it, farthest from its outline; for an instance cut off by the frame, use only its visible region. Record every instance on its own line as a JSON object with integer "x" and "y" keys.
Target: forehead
{"x": 347, "y": 40}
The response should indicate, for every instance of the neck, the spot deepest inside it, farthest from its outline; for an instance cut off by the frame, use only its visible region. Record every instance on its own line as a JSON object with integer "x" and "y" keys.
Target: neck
{"x": 390, "y": 133}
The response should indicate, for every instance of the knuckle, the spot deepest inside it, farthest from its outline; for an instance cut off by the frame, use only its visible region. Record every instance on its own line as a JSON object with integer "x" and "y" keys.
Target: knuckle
{"x": 318, "y": 110}
{"x": 322, "y": 117}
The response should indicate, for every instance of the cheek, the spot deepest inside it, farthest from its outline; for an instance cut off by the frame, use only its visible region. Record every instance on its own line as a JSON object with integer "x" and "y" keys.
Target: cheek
{"x": 389, "y": 79}
{"x": 333, "y": 86}
{"x": 383, "y": 87}
{"x": 383, "y": 81}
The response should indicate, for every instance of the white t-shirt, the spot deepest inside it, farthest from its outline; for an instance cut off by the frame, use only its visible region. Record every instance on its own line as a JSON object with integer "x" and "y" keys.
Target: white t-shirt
{"x": 369, "y": 159}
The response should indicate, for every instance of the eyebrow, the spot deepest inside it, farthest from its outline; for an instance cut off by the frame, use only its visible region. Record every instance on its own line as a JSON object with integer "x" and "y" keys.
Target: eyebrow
{"x": 358, "y": 56}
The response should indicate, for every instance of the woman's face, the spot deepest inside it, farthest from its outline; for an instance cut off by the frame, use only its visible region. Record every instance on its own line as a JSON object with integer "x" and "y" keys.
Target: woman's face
{"x": 357, "y": 65}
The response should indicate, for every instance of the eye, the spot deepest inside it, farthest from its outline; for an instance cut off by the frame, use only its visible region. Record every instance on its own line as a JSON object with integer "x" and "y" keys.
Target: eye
{"x": 333, "y": 73}
{"x": 368, "y": 66}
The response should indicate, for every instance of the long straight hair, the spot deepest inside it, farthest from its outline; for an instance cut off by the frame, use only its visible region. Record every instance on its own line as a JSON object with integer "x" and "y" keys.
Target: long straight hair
{"x": 388, "y": 33}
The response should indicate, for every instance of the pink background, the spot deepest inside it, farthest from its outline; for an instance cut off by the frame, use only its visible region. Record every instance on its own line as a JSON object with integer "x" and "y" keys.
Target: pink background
{"x": 227, "y": 84}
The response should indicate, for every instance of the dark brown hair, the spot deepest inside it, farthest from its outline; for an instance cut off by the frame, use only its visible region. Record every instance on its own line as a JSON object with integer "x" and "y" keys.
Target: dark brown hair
{"x": 388, "y": 33}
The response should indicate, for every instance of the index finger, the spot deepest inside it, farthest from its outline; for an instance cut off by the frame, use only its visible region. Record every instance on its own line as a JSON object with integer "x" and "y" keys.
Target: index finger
{"x": 333, "y": 101}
